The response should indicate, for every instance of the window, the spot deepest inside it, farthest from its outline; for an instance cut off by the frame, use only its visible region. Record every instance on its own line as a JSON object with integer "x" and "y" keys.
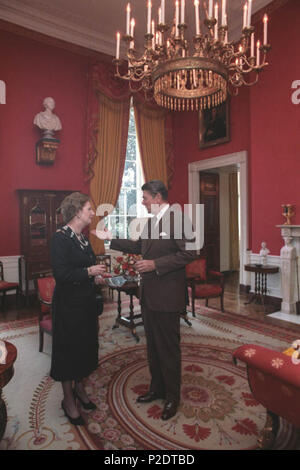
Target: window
{"x": 129, "y": 205}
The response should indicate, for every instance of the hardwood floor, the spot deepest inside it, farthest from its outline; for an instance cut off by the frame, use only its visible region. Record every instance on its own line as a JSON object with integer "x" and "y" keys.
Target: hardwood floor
{"x": 234, "y": 302}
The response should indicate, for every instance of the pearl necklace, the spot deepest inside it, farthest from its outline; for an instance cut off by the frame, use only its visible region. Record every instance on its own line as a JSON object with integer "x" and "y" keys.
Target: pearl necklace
{"x": 83, "y": 243}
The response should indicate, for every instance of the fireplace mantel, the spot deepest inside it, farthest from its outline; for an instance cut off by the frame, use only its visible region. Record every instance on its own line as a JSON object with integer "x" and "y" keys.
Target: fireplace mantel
{"x": 289, "y": 255}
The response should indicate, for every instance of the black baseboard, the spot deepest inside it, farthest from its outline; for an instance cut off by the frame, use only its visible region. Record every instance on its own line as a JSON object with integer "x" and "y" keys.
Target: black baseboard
{"x": 244, "y": 289}
{"x": 268, "y": 299}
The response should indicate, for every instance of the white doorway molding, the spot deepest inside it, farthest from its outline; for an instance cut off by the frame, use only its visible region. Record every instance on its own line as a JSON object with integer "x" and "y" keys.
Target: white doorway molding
{"x": 240, "y": 159}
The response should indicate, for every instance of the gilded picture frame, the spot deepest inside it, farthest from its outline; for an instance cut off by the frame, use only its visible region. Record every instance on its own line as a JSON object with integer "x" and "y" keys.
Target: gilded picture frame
{"x": 214, "y": 125}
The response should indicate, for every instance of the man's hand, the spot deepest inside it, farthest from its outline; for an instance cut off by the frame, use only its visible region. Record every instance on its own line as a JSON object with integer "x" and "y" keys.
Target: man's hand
{"x": 145, "y": 266}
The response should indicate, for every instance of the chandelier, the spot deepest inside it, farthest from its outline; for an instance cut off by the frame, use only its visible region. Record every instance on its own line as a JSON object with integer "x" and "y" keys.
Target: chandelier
{"x": 183, "y": 76}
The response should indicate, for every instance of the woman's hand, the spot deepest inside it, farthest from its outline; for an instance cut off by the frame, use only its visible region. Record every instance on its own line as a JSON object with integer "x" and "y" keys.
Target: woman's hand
{"x": 96, "y": 270}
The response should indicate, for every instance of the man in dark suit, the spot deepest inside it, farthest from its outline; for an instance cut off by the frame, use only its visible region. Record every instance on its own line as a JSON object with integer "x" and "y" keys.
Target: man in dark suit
{"x": 163, "y": 295}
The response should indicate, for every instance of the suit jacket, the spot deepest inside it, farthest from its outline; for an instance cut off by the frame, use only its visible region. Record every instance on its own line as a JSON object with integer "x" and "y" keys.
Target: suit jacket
{"x": 165, "y": 288}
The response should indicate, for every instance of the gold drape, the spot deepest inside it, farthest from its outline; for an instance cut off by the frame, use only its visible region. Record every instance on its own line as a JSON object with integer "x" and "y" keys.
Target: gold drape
{"x": 233, "y": 222}
{"x": 150, "y": 125}
{"x": 108, "y": 166}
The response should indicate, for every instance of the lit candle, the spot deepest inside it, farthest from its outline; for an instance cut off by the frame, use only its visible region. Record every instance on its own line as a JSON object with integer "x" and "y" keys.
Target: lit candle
{"x": 245, "y": 20}
{"x": 265, "y": 20}
{"x": 216, "y": 17}
{"x": 210, "y": 8}
{"x": 118, "y": 46}
{"x": 132, "y": 25}
{"x": 223, "y": 13}
{"x": 249, "y": 12}
{"x": 149, "y": 17}
{"x": 182, "y": 11}
{"x": 252, "y": 45}
{"x": 176, "y": 17}
{"x": 127, "y": 19}
{"x": 196, "y": 3}
{"x": 258, "y": 53}
{"x": 163, "y": 11}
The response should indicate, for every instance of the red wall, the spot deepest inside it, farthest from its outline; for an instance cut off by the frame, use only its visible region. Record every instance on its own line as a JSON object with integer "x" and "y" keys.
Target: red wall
{"x": 32, "y": 71}
{"x": 275, "y": 130}
{"x": 266, "y": 124}
{"x": 186, "y": 140}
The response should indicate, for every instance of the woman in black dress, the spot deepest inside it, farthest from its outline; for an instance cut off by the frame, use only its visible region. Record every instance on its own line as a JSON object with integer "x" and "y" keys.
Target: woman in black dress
{"x": 75, "y": 315}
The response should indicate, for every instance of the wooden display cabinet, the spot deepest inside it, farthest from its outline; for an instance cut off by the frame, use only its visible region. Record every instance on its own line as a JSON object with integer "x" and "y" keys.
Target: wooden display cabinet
{"x": 40, "y": 217}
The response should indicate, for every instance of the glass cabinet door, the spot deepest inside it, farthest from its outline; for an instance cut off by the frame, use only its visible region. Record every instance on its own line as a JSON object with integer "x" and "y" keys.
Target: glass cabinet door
{"x": 37, "y": 226}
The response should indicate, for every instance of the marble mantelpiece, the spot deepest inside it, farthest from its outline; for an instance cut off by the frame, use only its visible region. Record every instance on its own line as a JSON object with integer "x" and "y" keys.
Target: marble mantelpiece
{"x": 289, "y": 256}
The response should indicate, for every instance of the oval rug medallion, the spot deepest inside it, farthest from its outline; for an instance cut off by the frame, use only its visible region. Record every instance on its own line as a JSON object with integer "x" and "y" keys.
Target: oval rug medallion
{"x": 216, "y": 411}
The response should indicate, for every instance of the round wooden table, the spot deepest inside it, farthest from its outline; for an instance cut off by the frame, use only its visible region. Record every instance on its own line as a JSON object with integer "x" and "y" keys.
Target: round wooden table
{"x": 261, "y": 271}
{"x": 6, "y": 373}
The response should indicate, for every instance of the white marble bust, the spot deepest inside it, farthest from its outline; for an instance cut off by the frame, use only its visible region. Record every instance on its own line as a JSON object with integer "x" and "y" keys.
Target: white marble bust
{"x": 47, "y": 120}
{"x": 264, "y": 252}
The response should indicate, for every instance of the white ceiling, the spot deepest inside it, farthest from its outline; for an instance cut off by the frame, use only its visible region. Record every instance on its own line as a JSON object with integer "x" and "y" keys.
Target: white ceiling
{"x": 93, "y": 23}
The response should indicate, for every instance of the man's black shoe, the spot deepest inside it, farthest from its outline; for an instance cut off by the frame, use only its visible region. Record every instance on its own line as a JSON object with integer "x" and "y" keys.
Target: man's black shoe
{"x": 170, "y": 410}
{"x": 149, "y": 397}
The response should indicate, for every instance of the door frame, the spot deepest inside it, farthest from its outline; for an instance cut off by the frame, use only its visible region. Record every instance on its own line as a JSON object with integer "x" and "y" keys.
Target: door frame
{"x": 240, "y": 159}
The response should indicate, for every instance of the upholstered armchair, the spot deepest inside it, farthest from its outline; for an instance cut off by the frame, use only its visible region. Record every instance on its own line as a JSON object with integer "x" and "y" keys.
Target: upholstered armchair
{"x": 45, "y": 288}
{"x": 6, "y": 286}
{"x": 274, "y": 381}
{"x": 204, "y": 283}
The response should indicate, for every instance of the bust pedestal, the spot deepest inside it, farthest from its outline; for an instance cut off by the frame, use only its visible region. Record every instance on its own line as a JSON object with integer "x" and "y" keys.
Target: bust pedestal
{"x": 46, "y": 151}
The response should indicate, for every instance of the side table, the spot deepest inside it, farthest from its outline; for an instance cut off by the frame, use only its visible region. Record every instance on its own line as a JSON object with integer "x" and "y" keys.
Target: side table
{"x": 131, "y": 289}
{"x": 6, "y": 373}
{"x": 261, "y": 271}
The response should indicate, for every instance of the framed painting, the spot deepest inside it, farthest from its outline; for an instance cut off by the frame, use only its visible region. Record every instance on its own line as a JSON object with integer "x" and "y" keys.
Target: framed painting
{"x": 214, "y": 126}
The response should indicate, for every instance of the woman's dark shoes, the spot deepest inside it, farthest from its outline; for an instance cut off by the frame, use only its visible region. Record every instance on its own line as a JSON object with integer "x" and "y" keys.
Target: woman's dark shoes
{"x": 76, "y": 421}
{"x": 87, "y": 406}
{"x": 170, "y": 410}
{"x": 149, "y": 397}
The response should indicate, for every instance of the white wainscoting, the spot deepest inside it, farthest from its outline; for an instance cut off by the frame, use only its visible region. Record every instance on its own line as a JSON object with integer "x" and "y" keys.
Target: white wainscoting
{"x": 11, "y": 270}
{"x": 273, "y": 280}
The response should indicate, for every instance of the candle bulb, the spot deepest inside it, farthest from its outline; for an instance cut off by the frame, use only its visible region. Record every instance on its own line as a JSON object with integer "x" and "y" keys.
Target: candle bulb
{"x": 196, "y": 3}
{"x": 163, "y": 11}
{"x": 245, "y": 19}
{"x": 249, "y": 13}
{"x": 182, "y": 11}
{"x": 176, "y": 17}
{"x": 210, "y": 8}
{"x": 265, "y": 20}
{"x": 159, "y": 16}
{"x": 127, "y": 19}
{"x": 252, "y": 45}
{"x": 118, "y": 46}
{"x": 153, "y": 33}
{"x": 216, "y": 17}
{"x": 132, "y": 25}
{"x": 223, "y": 23}
{"x": 149, "y": 17}
{"x": 258, "y": 53}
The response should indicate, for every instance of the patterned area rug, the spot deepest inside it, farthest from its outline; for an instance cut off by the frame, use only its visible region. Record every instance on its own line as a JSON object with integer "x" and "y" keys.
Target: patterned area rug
{"x": 217, "y": 410}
